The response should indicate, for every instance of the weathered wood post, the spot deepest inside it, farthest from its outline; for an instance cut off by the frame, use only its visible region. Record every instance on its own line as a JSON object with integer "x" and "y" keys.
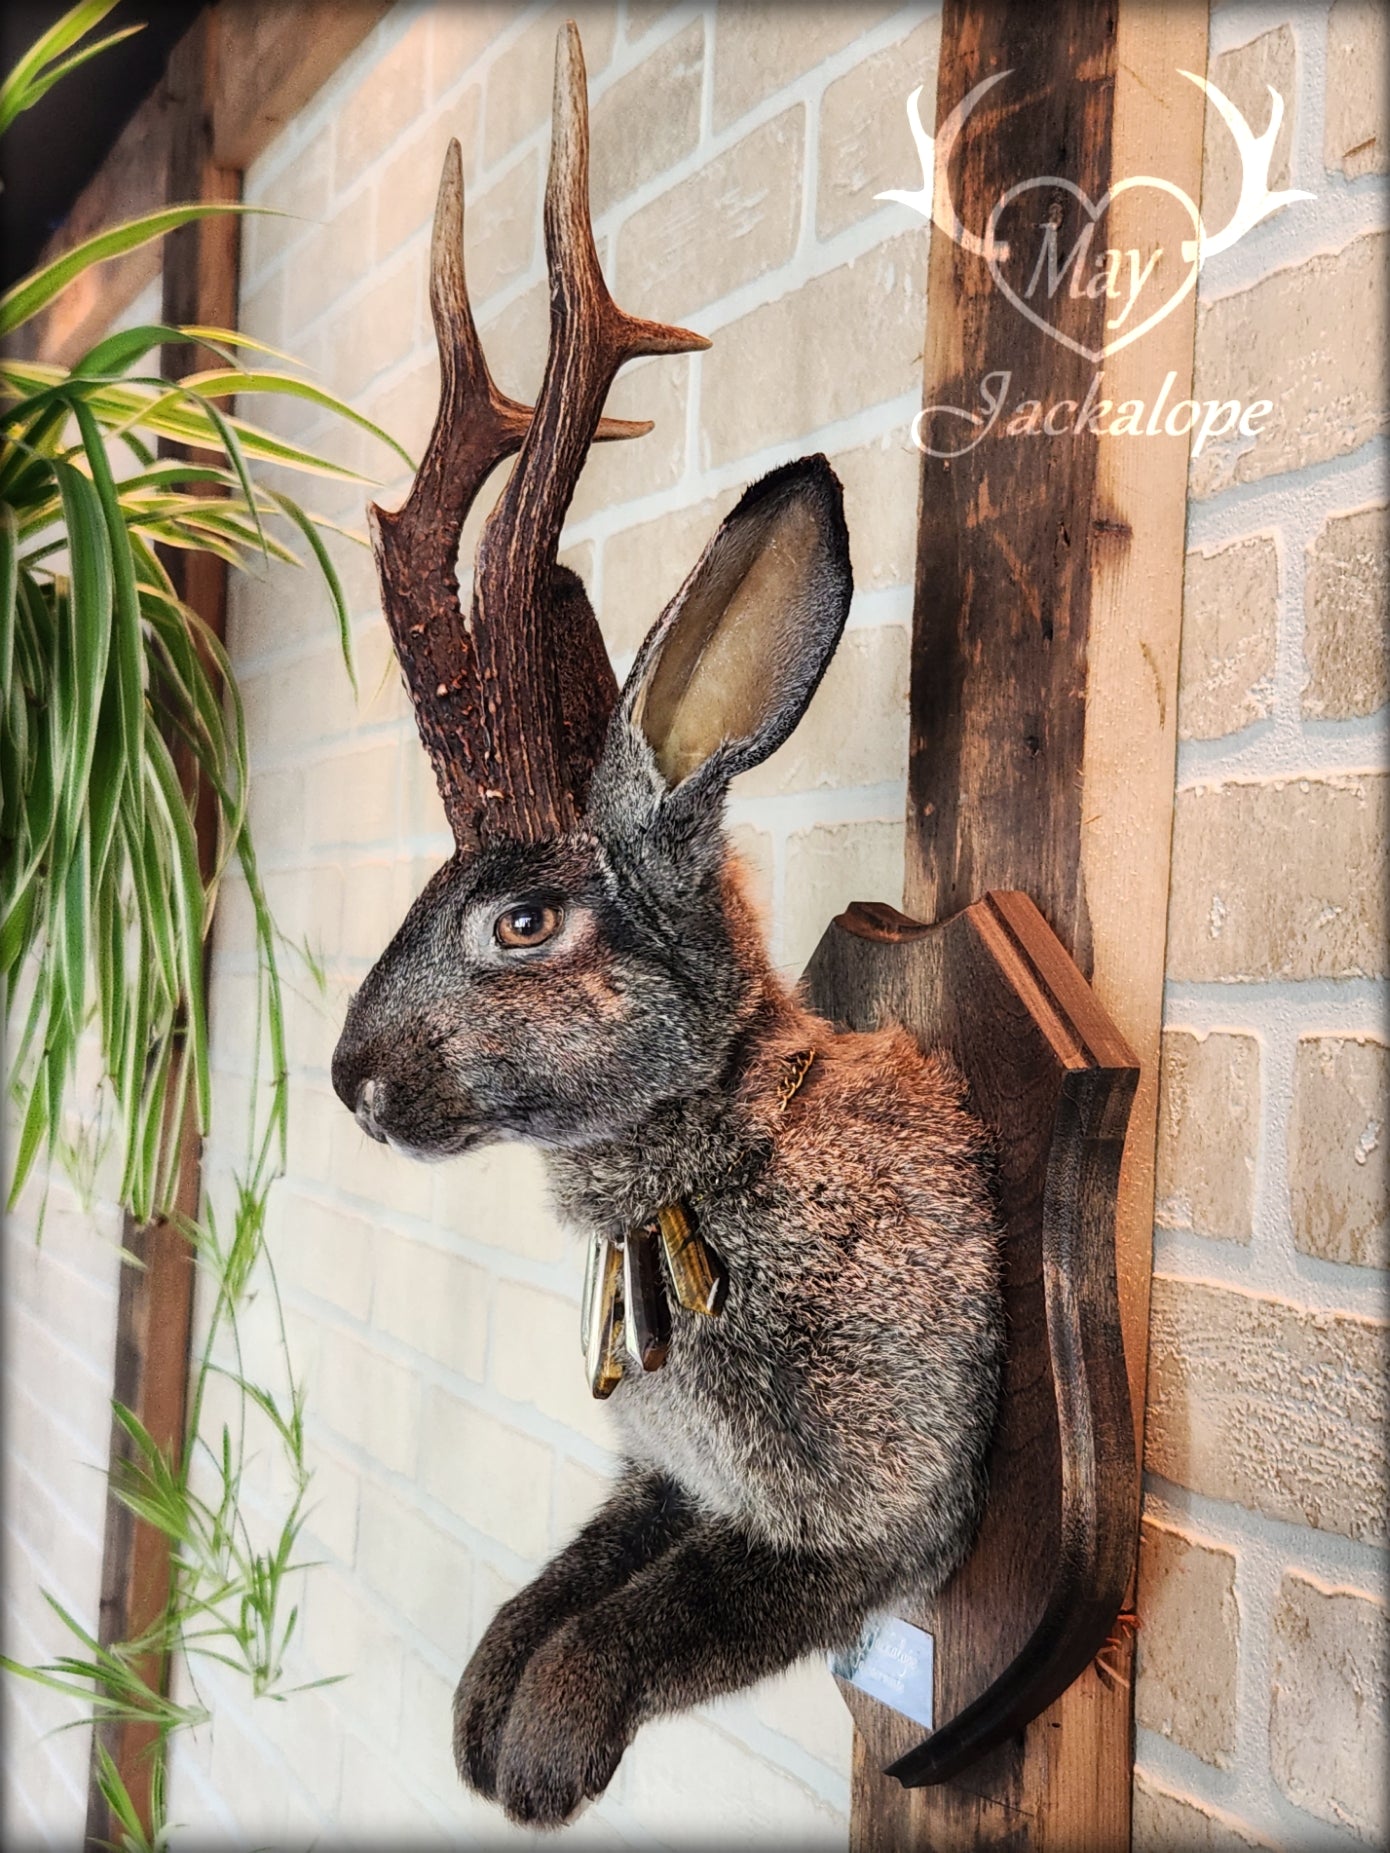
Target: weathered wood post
{"x": 1045, "y": 656}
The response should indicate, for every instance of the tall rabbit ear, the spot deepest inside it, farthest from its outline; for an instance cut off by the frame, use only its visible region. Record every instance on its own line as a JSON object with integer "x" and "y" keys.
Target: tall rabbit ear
{"x": 732, "y": 663}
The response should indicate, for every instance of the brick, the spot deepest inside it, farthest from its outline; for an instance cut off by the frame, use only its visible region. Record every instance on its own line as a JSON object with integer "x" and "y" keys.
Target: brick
{"x": 409, "y": 183}
{"x": 521, "y": 79}
{"x": 351, "y": 797}
{"x": 1339, "y": 1180}
{"x": 1285, "y": 340}
{"x": 1244, "y": 74}
{"x": 1328, "y": 1738}
{"x": 830, "y": 866}
{"x": 753, "y": 848}
{"x": 387, "y": 102}
{"x": 326, "y": 1252}
{"x": 578, "y": 1495}
{"x": 419, "y": 1570}
{"x": 633, "y": 467}
{"x": 326, "y": 266}
{"x": 734, "y": 220}
{"x": 866, "y": 145}
{"x": 276, "y": 811}
{"x": 332, "y": 1504}
{"x": 1230, "y": 614}
{"x": 1268, "y": 1404}
{"x": 503, "y": 224}
{"x": 491, "y": 1475}
{"x": 644, "y": 566}
{"x": 537, "y": 1360}
{"x": 647, "y": 121}
{"x": 433, "y": 1301}
{"x": 308, "y": 1733}
{"x": 313, "y": 1115}
{"x": 261, "y": 310}
{"x": 458, "y": 37}
{"x": 759, "y": 50}
{"x": 382, "y": 1804}
{"x": 500, "y": 1197}
{"x": 667, "y": 1785}
{"x": 344, "y": 1634}
{"x": 377, "y": 896}
{"x": 367, "y": 1399}
{"x": 804, "y": 1705}
{"x": 1346, "y": 606}
{"x": 855, "y": 730}
{"x": 640, "y": 16}
{"x": 1189, "y": 1645}
{"x": 771, "y": 378}
{"x": 881, "y": 481}
{"x": 1354, "y": 109}
{"x": 1208, "y": 1133}
{"x": 515, "y": 340}
{"x": 427, "y": 1712}
{"x": 1279, "y": 878}
{"x": 1164, "y": 1822}
{"x": 296, "y": 197}
{"x": 359, "y": 1167}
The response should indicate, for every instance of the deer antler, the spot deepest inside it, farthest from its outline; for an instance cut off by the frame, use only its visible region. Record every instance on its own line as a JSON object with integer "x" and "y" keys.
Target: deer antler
{"x": 1256, "y": 202}
{"x": 512, "y": 703}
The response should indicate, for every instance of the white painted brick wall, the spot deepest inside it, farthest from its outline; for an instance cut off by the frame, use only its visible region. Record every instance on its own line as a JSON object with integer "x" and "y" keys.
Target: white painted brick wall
{"x": 1214, "y": 1752}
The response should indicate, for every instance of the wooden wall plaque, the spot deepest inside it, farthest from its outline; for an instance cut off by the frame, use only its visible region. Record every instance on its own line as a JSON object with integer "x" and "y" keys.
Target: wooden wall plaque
{"x": 1048, "y": 1072}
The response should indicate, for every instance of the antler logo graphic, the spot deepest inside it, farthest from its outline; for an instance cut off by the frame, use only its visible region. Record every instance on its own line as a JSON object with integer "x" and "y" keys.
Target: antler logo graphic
{"x": 1121, "y": 276}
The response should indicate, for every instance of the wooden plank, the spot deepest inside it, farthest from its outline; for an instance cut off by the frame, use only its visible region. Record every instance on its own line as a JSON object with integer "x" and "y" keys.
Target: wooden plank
{"x": 1053, "y": 1079}
{"x": 1002, "y": 605}
{"x": 1044, "y": 689}
{"x": 155, "y": 1312}
{"x": 275, "y": 58}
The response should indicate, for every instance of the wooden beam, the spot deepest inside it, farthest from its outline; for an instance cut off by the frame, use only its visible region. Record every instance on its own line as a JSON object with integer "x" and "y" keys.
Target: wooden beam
{"x": 1046, "y": 626}
{"x": 155, "y": 1310}
{"x": 275, "y": 55}
{"x": 275, "y": 58}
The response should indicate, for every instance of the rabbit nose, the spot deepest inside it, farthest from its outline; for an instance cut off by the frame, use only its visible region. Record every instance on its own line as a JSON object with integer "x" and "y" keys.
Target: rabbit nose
{"x": 365, "y": 1110}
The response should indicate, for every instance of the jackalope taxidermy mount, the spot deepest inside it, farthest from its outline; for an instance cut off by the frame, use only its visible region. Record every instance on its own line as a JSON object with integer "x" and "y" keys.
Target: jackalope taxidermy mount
{"x": 794, "y": 1275}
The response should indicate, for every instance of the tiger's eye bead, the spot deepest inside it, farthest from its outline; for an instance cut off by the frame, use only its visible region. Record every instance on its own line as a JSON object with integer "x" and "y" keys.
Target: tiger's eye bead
{"x": 603, "y": 1331}
{"x": 696, "y": 1275}
{"x": 646, "y": 1314}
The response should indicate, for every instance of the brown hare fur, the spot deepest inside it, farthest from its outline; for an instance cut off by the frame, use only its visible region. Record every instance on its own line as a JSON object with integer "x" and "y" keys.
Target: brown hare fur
{"x": 817, "y": 1451}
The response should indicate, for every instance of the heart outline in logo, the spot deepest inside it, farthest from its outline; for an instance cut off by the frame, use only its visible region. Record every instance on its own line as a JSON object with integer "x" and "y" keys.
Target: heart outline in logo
{"x": 995, "y": 251}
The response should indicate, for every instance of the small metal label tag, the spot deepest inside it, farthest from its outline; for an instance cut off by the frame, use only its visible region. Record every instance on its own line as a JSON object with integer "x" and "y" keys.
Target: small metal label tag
{"x": 893, "y": 1662}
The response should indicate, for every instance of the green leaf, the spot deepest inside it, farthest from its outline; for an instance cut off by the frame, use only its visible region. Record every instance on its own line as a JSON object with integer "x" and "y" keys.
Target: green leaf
{"x": 55, "y": 73}
{"x": 239, "y": 382}
{"x": 24, "y": 299}
{"x": 9, "y": 590}
{"x": 330, "y": 573}
{"x": 16, "y": 93}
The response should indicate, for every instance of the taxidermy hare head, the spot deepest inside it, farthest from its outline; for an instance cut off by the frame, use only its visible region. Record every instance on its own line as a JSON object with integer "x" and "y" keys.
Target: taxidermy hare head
{"x": 793, "y": 1294}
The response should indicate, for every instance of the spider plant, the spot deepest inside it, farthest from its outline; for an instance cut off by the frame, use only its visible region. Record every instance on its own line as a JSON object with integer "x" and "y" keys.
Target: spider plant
{"x": 120, "y": 721}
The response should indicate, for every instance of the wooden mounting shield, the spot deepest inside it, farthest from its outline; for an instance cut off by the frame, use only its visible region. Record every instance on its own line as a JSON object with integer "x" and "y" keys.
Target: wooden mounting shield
{"x": 1053, "y": 1079}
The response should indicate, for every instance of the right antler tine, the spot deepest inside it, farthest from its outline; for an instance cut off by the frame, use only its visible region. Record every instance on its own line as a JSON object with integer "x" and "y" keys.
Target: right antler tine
{"x": 591, "y": 338}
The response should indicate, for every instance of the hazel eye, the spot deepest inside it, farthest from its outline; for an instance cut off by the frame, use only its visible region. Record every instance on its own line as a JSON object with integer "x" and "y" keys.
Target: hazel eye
{"x": 530, "y": 924}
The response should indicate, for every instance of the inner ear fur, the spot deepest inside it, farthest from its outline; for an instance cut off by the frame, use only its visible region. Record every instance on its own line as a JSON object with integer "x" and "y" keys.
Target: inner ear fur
{"x": 736, "y": 657}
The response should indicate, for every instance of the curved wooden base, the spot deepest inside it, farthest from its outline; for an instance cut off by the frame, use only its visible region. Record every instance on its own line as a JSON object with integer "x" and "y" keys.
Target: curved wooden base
{"x": 1048, "y": 1072}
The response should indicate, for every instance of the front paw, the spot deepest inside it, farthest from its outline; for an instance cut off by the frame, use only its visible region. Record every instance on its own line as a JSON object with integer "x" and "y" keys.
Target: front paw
{"x": 572, "y": 1716}
{"x": 484, "y": 1695}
